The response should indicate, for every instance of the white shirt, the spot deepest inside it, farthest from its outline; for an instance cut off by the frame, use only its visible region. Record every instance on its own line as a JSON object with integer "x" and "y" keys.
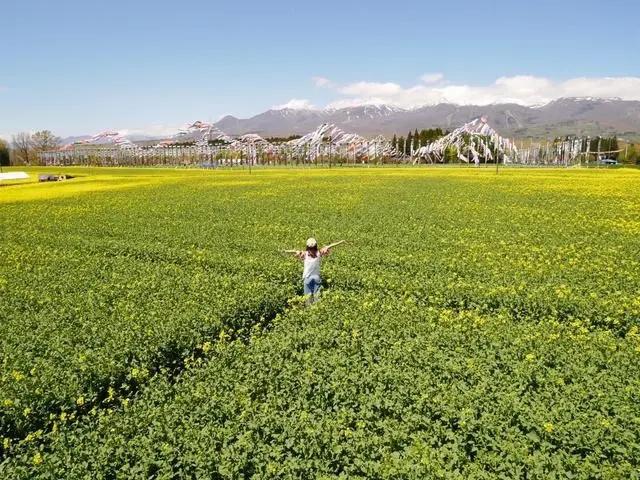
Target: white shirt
{"x": 311, "y": 266}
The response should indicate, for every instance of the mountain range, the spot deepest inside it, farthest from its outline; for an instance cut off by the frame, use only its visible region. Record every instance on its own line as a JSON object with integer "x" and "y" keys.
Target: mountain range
{"x": 580, "y": 116}
{"x": 566, "y": 116}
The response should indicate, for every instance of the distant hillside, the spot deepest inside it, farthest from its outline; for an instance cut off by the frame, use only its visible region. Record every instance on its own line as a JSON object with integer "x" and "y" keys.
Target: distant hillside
{"x": 561, "y": 117}
{"x": 580, "y": 116}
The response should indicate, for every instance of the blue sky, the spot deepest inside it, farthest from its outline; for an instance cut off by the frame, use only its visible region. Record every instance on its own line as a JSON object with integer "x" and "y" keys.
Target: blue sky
{"x": 77, "y": 67}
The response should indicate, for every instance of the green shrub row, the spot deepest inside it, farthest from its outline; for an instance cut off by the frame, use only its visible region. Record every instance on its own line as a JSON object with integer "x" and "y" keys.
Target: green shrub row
{"x": 363, "y": 386}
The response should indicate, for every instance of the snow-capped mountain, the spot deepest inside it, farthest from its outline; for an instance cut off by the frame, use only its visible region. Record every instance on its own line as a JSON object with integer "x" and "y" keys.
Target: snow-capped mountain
{"x": 588, "y": 116}
{"x": 581, "y": 116}
{"x": 87, "y": 138}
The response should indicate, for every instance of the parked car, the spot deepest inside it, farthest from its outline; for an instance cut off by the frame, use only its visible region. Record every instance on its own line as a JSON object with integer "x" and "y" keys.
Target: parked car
{"x": 607, "y": 161}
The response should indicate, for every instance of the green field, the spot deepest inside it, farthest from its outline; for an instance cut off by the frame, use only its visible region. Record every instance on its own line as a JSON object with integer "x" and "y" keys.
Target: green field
{"x": 475, "y": 326}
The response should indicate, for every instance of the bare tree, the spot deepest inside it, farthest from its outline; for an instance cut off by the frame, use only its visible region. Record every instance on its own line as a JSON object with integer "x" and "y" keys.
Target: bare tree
{"x": 22, "y": 144}
{"x": 45, "y": 140}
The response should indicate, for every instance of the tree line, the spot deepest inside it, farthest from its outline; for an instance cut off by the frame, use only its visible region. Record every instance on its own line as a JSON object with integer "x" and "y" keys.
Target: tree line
{"x": 282, "y": 139}
{"x": 417, "y": 139}
{"x": 608, "y": 145}
{"x": 25, "y": 147}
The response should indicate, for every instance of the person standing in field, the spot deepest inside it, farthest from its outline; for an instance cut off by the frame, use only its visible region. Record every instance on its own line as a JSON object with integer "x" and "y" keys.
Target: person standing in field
{"x": 311, "y": 274}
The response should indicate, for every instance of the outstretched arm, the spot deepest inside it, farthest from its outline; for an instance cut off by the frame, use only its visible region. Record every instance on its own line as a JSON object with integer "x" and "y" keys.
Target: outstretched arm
{"x": 297, "y": 253}
{"x": 325, "y": 250}
{"x": 331, "y": 245}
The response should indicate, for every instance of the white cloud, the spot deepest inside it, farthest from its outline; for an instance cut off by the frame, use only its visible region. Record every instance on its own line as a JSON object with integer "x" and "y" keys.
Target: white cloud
{"x": 520, "y": 89}
{"x": 627, "y": 88}
{"x": 371, "y": 89}
{"x": 322, "y": 82}
{"x": 431, "y": 77}
{"x": 295, "y": 104}
{"x": 358, "y": 101}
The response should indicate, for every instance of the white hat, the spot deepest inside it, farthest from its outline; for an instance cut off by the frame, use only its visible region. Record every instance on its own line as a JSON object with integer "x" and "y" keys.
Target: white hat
{"x": 311, "y": 242}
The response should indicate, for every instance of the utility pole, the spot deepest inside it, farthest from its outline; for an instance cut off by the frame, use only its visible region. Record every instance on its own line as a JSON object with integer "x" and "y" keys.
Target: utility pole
{"x": 626, "y": 152}
{"x": 588, "y": 150}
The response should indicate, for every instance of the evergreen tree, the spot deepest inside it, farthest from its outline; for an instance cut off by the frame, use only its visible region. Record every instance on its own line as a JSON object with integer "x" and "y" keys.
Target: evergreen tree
{"x": 605, "y": 144}
{"x": 613, "y": 146}
{"x": 4, "y": 153}
{"x": 632, "y": 154}
{"x": 420, "y": 139}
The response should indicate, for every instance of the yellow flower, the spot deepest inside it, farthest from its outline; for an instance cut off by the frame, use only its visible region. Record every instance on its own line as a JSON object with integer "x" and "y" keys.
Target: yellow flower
{"x": 37, "y": 459}
{"x": 548, "y": 427}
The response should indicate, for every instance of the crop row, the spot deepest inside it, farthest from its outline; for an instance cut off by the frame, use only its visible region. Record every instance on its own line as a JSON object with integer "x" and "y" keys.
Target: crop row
{"x": 99, "y": 334}
{"x": 93, "y": 308}
{"x": 555, "y": 247}
{"x": 107, "y": 291}
{"x": 364, "y": 386}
